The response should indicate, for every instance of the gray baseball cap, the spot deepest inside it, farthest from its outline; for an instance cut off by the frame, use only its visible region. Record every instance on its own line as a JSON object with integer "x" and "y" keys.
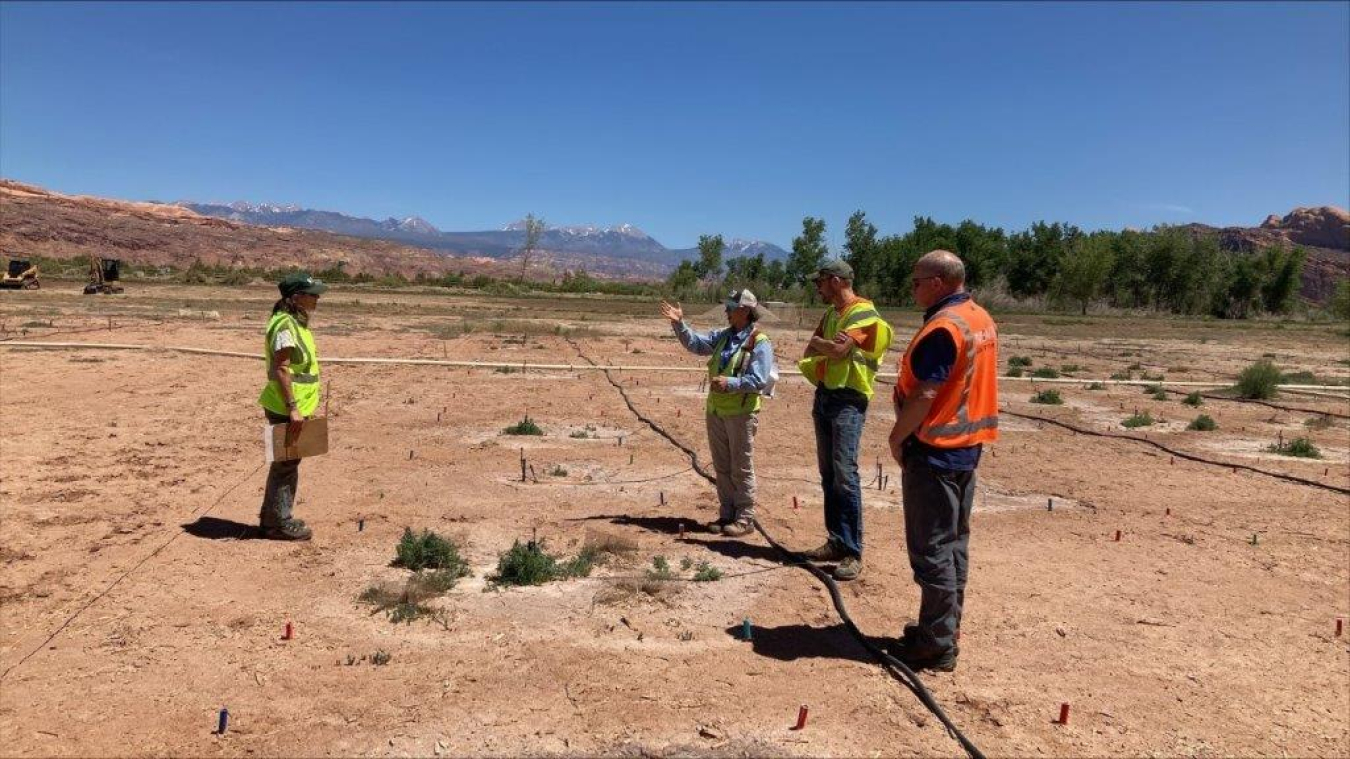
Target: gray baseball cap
{"x": 743, "y": 297}
{"x": 835, "y": 268}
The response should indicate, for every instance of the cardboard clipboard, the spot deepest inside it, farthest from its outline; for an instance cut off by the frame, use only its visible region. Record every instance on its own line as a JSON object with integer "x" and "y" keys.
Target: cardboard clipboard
{"x": 312, "y": 440}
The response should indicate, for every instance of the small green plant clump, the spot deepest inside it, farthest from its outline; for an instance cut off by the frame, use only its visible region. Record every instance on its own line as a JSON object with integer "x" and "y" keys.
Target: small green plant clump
{"x": 580, "y": 435}
{"x": 1259, "y": 381}
{"x": 1070, "y": 368}
{"x": 558, "y": 470}
{"x": 1300, "y": 447}
{"x": 1019, "y": 361}
{"x": 526, "y": 426}
{"x": 380, "y": 657}
{"x": 1158, "y": 393}
{"x": 660, "y": 569}
{"x": 1096, "y": 386}
{"x": 1203, "y": 423}
{"x": 428, "y": 550}
{"x": 1152, "y": 377}
{"x": 1319, "y": 422}
{"x": 1138, "y": 420}
{"x": 1048, "y": 397}
{"x": 528, "y": 564}
{"x": 1045, "y": 372}
{"x": 1192, "y": 399}
{"x": 506, "y": 370}
{"x": 1122, "y": 376}
{"x": 706, "y": 572}
{"x": 1015, "y": 371}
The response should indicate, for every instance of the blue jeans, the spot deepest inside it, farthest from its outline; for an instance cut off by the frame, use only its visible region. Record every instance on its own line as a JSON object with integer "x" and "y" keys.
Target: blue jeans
{"x": 839, "y": 416}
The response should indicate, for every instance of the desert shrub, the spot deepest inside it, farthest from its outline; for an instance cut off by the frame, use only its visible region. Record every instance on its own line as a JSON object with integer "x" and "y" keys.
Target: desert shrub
{"x": 1137, "y": 420}
{"x": 1319, "y": 422}
{"x": 1019, "y": 361}
{"x": 1159, "y": 394}
{"x": 1203, "y": 423}
{"x": 526, "y": 426}
{"x": 1068, "y": 368}
{"x": 558, "y": 470}
{"x": 1015, "y": 371}
{"x": 1259, "y": 381}
{"x": 1300, "y": 447}
{"x": 1045, "y": 372}
{"x": 580, "y": 435}
{"x": 1122, "y": 376}
{"x": 1152, "y": 377}
{"x": 528, "y": 564}
{"x": 707, "y": 573}
{"x": 428, "y": 551}
{"x": 1048, "y": 397}
{"x": 1096, "y": 386}
{"x": 660, "y": 570}
{"x": 1192, "y": 399}
{"x": 380, "y": 657}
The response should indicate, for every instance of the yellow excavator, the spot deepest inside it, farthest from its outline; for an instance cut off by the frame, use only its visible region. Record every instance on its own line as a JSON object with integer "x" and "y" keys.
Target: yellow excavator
{"x": 20, "y": 275}
{"x": 103, "y": 273}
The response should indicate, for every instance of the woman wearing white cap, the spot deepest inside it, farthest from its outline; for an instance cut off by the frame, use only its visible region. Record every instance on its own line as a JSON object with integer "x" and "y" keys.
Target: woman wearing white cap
{"x": 740, "y": 371}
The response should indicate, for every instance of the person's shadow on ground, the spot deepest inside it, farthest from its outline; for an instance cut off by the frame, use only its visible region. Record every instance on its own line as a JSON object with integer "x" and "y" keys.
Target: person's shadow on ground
{"x": 215, "y": 528}
{"x": 792, "y": 642}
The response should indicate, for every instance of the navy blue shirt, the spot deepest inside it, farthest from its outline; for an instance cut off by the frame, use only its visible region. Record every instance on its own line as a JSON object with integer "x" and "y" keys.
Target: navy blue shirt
{"x": 932, "y": 361}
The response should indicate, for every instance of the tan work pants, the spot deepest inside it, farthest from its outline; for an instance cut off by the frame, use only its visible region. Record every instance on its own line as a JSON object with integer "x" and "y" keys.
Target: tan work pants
{"x": 732, "y": 440}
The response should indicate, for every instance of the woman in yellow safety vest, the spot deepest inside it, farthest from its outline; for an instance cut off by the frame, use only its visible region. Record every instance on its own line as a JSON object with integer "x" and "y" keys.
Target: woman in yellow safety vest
{"x": 290, "y": 396}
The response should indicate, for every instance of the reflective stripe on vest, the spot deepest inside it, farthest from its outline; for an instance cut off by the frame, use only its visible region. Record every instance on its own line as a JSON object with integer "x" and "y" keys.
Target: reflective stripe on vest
{"x": 732, "y": 404}
{"x": 962, "y": 425}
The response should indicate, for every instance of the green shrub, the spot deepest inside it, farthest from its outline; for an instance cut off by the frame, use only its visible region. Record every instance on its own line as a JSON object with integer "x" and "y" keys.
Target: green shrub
{"x": 1319, "y": 422}
{"x": 1138, "y": 420}
{"x": 707, "y": 573}
{"x": 1259, "y": 381}
{"x": 1122, "y": 376}
{"x": 1045, "y": 372}
{"x": 1015, "y": 371}
{"x": 660, "y": 569}
{"x": 1152, "y": 377}
{"x": 1192, "y": 399}
{"x": 580, "y": 434}
{"x": 1048, "y": 397}
{"x": 1158, "y": 393}
{"x": 1203, "y": 423}
{"x": 1019, "y": 361}
{"x": 525, "y": 427}
{"x": 1096, "y": 386}
{"x": 1300, "y": 447}
{"x": 558, "y": 470}
{"x": 1067, "y": 368}
{"x": 428, "y": 551}
{"x": 528, "y": 564}
{"x": 380, "y": 657}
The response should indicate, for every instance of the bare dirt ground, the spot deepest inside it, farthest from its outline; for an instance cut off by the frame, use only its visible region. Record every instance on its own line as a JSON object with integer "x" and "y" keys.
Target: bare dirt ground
{"x": 133, "y": 605}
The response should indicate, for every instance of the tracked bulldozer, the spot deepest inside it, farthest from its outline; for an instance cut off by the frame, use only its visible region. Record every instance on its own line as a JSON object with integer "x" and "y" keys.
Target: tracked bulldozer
{"x": 20, "y": 275}
{"x": 103, "y": 276}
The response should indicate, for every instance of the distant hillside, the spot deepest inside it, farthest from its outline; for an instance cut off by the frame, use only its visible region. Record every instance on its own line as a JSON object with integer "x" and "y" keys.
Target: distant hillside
{"x": 38, "y": 222}
{"x": 622, "y": 250}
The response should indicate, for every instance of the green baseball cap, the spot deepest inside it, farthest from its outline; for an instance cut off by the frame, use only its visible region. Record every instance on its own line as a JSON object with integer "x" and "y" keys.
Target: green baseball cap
{"x": 836, "y": 268}
{"x": 300, "y": 282}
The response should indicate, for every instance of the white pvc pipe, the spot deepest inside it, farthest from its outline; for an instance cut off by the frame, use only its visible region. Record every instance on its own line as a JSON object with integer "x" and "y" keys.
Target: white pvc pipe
{"x": 525, "y": 365}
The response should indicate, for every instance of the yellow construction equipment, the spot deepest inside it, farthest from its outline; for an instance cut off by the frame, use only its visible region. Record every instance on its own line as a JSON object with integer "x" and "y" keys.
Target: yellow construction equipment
{"x": 21, "y": 275}
{"x": 103, "y": 272}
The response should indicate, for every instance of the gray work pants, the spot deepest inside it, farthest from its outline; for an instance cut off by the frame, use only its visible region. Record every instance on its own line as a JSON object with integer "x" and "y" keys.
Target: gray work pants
{"x": 732, "y": 440}
{"x": 937, "y": 533}
{"x": 282, "y": 479}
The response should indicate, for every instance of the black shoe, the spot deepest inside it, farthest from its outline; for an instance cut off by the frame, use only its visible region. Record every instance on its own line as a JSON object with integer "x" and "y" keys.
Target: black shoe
{"x": 918, "y": 656}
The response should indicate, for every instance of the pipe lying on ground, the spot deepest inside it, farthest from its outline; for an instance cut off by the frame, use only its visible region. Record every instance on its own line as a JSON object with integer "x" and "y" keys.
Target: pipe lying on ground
{"x": 598, "y": 367}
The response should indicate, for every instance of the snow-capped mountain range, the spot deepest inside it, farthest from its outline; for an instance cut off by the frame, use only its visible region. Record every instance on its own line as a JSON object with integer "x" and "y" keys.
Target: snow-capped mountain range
{"x": 616, "y": 249}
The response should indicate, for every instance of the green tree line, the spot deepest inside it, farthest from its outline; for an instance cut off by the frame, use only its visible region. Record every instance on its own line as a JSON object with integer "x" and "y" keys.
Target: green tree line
{"x": 1168, "y": 269}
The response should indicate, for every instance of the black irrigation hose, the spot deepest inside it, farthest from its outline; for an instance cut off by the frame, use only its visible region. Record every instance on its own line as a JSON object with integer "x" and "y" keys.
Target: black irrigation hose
{"x": 198, "y": 513}
{"x": 1181, "y": 454}
{"x": 1260, "y": 402}
{"x": 897, "y": 669}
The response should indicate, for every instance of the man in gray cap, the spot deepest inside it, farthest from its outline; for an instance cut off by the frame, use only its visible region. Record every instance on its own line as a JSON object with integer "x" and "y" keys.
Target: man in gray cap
{"x": 842, "y": 360}
{"x": 740, "y": 366}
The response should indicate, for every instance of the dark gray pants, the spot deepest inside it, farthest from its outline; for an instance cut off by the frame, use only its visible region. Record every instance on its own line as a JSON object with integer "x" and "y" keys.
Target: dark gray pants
{"x": 937, "y": 533}
{"x": 282, "y": 479}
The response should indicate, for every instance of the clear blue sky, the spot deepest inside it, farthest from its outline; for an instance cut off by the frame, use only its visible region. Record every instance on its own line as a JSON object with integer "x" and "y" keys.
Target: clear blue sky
{"x": 684, "y": 119}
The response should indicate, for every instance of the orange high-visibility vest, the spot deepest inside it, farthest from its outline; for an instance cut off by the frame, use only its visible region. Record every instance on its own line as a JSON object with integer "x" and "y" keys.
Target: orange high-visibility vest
{"x": 965, "y": 411}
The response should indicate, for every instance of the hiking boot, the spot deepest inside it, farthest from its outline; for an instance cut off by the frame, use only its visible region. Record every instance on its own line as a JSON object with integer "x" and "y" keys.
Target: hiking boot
{"x": 827, "y": 552}
{"x": 738, "y": 528}
{"x": 918, "y": 656}
{"x": 716, "y": 527}
{"x": 292, "y": 530}
{"x": 848, "y": 569}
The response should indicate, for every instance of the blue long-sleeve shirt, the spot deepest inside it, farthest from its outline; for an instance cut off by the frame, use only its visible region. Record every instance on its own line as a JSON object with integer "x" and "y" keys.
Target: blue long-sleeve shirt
{"x": 761, "y": 358}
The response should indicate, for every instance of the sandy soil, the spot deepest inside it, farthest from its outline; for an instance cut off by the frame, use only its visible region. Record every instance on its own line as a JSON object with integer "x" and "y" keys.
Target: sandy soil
{"x": 133, "y": 606}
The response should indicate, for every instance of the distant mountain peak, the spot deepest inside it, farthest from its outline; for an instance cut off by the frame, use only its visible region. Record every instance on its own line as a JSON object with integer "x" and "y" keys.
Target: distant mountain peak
{"x": 411, "y": 224}
{"x": 584, "y": 230}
